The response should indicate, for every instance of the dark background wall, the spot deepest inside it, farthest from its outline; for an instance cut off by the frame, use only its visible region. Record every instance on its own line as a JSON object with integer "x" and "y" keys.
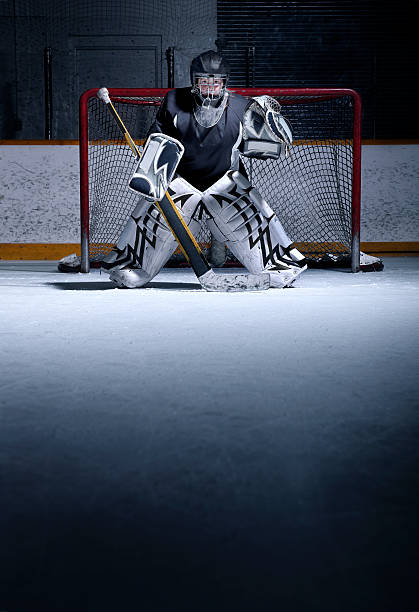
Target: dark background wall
{"x": 365, "y": 45}
{"x": 93, "y": 43}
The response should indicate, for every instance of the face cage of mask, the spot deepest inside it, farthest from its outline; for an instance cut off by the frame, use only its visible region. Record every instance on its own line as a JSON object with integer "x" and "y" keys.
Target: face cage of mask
{"x": 209, "y": 97}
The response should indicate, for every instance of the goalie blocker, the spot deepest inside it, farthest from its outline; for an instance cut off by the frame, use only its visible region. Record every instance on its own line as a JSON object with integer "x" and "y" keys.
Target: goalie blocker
{"x": 157, "y": 166}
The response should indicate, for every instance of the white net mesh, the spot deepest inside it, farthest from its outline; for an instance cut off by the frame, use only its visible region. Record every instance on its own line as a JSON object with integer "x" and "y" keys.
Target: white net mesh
{"x": 310, "y": 190}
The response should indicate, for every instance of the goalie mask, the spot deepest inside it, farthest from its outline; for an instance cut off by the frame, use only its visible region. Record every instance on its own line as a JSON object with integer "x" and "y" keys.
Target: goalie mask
{"x": 209, "y": 76}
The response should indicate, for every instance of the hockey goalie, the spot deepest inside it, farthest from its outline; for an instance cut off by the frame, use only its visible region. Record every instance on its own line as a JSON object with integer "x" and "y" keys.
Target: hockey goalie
{"x": 193, "y": 152}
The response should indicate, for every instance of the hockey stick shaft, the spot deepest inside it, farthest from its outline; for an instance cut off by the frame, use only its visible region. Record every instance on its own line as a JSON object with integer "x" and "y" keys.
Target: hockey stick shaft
{"x": 123, "y": 129}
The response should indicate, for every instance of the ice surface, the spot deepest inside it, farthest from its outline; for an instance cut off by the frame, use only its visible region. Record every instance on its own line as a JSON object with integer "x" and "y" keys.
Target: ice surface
{"x": 336, "y": 339}
{"x": 170, "y": 449}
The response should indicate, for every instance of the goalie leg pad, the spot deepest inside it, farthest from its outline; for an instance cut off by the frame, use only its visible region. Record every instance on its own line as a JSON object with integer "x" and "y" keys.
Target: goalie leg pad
{"x": 147, "y": 242}
{"x": 240, "y": 217}
{"x": 288, "y": 248}
{"x": 157, "y": 166}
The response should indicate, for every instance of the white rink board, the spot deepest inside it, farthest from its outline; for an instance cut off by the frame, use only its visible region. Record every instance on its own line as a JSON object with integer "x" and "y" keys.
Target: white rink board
{"x": 39, "y": 193}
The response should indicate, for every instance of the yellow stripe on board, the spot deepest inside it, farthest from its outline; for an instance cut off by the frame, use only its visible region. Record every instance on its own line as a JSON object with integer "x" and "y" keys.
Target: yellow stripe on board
{"x": 53, "y": 252}
{"x": 116, "y": 142}
{"x": 324, "y": 142}
{"x": 400, "y": 141}
{"x": 390, "y": 249}
{"x": 321, "y": 247}
{"x": 37, "y": 251}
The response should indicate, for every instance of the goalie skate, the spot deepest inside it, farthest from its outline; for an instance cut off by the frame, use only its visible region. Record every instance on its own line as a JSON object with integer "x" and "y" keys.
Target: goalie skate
{"x": 369, "y": 263}
{"x": 129, "y": 278}
{"x": 70, "y": 263}
{"x": 281, "y": 278}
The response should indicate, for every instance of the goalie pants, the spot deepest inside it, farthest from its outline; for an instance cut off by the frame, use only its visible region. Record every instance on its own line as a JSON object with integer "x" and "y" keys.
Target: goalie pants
{"x": 236, "y": 215}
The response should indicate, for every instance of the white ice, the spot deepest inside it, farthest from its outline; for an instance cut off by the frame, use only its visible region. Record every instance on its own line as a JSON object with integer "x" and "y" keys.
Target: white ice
{"x": 335, "y": 341}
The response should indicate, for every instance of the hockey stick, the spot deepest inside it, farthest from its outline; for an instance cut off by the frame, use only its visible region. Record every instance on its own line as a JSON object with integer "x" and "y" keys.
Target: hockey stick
{"x": 206, "y": 276}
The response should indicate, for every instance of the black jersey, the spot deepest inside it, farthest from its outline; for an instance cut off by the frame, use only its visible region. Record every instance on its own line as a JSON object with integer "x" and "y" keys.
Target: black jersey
{"x": 209, "y": 152}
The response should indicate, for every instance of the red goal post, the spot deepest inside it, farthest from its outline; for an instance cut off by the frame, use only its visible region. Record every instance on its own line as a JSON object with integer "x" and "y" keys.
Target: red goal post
{"x": 316, "y": 191}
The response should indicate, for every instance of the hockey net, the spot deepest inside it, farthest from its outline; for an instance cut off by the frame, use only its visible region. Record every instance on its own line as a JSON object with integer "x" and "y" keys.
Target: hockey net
{"x": 315, "y": 190}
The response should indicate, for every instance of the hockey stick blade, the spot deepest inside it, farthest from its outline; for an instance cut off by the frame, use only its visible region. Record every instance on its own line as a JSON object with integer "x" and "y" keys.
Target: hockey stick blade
{"x": 213, "y": 281}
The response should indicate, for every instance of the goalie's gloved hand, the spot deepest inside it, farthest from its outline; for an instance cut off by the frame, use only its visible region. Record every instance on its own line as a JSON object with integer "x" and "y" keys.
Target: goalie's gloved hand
{"x": 266, "y": 133}
{"x": 157, "y": 166}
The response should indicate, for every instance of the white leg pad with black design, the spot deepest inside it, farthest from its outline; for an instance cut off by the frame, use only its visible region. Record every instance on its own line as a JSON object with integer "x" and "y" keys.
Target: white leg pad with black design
{"x": 146, "y": 242}
{"x": 241, "y": 217}
{"x": 276, "y": 227}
